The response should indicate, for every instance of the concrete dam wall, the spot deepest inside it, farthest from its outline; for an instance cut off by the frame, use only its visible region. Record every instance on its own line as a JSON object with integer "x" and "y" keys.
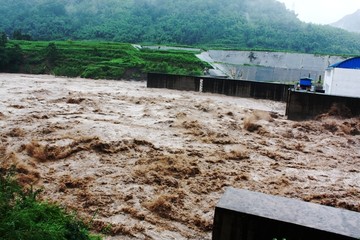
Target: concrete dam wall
{"x": 269, "y": 66}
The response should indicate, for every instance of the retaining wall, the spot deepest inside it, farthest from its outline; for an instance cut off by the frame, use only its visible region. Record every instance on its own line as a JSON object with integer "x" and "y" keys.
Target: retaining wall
{"x": 249, "y": 89}
{"x": 238, "y": 88}
{"x": 246, "y": 215}
{"x": 306, "y": 105}
{"x": 169, "y": 81}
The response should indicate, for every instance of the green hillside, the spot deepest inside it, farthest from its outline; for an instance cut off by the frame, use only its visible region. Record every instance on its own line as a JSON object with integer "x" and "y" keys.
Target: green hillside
{"x": 94, "y": 59}
{"x": 245, "y": 24}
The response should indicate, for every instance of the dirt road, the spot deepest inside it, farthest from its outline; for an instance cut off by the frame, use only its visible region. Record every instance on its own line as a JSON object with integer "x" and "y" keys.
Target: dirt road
{"x": 154, "y": 162}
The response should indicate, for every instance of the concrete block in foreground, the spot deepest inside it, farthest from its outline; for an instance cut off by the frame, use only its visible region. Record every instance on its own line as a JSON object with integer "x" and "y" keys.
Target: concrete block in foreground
{"x": 246, "y": 215}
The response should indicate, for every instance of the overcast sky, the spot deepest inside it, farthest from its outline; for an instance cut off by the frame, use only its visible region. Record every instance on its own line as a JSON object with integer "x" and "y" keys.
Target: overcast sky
{"x": 322, "y": 11}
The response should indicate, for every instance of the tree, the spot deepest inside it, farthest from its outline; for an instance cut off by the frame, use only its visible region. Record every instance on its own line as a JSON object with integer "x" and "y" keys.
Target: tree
{"x": 3, "y": 55}
{"x": 15, "y": 58}
{"x": 18, "y": 35}
{"x": 51, "y": 55}
{"x": 258, "y": 24}
{"x": 3, "y": 39}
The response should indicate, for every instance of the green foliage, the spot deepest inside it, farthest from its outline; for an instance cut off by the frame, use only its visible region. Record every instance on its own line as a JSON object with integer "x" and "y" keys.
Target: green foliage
{"x": 23, "y": 217}
{"x": 68, "y": 71}
{"x": 3, "y": 58}
{"x": 235, "y": 24}
{"x": 98, "y": 60}
{"x": 3, "y": 39}
{"x": 51, "y": 54}
{"x": 3, "y": 55}
{"x": 18, "y": 35}
{"x": 15, "y": 58}
{"x": 10, "y": 57}
{"x": 103, "y": 72}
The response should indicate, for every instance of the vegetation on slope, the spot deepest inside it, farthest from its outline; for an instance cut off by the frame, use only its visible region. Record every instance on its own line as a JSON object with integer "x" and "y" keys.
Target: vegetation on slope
{"x": 22, "y": 216}
{"x": 95, "y": 60}
{"x": 260, "y": 24}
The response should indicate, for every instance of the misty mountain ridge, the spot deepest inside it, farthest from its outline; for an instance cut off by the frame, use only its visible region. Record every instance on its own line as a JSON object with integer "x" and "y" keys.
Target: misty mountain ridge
{"x": 350, "y": 22}
{"x": 245, "y": 24}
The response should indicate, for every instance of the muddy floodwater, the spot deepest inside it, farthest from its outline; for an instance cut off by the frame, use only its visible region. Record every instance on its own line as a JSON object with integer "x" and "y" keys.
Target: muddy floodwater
{"x": 152, "y": 163}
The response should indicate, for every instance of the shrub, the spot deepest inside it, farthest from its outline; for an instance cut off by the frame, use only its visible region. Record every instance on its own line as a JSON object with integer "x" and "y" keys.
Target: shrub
{"x": 68, "y": 71}
{"x": 22, "y": 216}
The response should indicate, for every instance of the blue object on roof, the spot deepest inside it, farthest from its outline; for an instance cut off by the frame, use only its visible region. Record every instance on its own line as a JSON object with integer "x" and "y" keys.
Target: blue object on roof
{"x": 351, "y": 63}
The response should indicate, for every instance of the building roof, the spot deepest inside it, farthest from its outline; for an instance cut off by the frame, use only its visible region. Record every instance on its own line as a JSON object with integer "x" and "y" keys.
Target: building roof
{"x": 351, "y": 63}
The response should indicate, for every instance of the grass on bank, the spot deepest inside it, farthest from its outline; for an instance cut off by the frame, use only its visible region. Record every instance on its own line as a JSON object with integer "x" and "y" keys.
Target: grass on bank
{"x": 22, "y": 216}
{"x": 101, "y": 60}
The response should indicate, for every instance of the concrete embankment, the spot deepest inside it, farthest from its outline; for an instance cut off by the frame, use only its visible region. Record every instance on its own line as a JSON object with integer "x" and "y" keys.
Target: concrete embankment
{"x": 268, "y": 66}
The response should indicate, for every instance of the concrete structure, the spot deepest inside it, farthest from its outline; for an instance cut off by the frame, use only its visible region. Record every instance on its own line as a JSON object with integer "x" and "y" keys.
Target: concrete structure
{"x": 246, "y": 215}
{"x": 166, "y": 48}
{"x": 172, "y": 81}
{"x": 343, "y": 78}
{"x": 216, "y": 73}
{"x": 300, "y": 105}
{"x": 303, "y": 105}
{"x": 238, "y": 88}
{"x": 268, "y": 66}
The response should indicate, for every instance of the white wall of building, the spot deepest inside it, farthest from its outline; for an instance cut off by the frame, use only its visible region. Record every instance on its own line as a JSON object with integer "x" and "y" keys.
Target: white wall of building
{"x": 342, "y": 82}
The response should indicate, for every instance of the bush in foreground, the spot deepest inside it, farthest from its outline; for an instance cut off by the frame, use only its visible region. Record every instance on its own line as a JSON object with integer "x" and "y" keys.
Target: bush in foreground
{"x": 22, "y": 216}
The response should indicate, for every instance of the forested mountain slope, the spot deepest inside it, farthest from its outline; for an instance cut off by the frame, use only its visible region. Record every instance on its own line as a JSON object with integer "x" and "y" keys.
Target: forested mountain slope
{"x": 261, "y": 24}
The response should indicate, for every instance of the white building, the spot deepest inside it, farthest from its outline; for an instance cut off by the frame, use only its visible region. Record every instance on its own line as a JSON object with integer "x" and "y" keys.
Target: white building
{"x": 343, "y": 78}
